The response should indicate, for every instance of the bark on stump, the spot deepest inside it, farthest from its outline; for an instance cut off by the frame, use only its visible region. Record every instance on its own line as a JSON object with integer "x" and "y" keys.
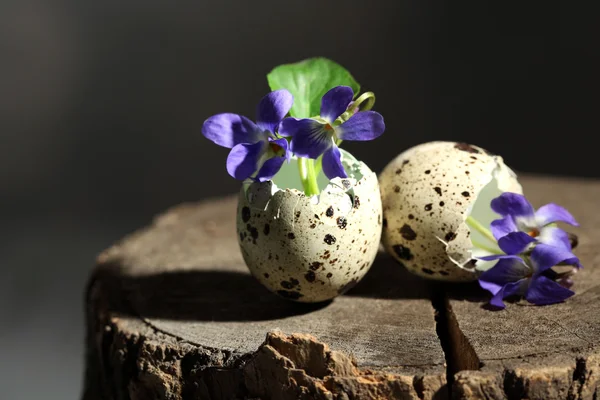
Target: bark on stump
{"x": 173, "y": 313}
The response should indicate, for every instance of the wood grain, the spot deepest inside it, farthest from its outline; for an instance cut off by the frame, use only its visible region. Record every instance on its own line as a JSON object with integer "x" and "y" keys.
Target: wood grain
{"x": 174, "y": 303}
{"x": 173, "y": 313}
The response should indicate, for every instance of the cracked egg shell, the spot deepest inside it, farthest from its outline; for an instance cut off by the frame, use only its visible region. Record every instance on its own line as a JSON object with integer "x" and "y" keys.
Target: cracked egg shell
{"x": 427, "y": 193}
{"x": 310, "y": 249}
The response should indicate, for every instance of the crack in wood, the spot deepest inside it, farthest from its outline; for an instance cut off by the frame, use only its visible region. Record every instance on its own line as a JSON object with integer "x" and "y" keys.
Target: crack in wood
{"x": 459, "y": 353}
{"x": 567, "y": 330}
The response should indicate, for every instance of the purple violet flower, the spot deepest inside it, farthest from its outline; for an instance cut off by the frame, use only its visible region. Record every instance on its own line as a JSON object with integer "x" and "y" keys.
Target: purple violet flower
{"x": 522, "y": 226}
{"x": 255, "y": 148}
{"x": 313, "y": 137}
{"x": 528, "y": 276}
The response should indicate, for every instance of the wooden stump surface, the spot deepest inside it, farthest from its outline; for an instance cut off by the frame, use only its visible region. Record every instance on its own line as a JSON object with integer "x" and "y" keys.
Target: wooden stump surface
{"x": 173, "y": 313}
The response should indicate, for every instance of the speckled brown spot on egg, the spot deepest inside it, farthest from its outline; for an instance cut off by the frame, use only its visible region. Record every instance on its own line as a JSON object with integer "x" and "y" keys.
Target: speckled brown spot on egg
{"x": 246, "y": 214}
{"x": 466, "y": 194}
{"x": 407, "y": 232}
{"x": 403, "y": 252}
{"x": 438, "y": 190}
{"x": 329, "y": 239}
{"x": 289, "y": 294}
{"x": 253, "y": 232}
{"x": 427, "y": 271}
{"x": 428, "y": 206}
{"x": 466, "y": 147}
{"x": 342, "y": 222}
{"x": 316, "y": 265}
{"x": 310, "y": 276}
{"x": 329, "y": 211}
{"x": 291, "y": 236}
{"x": 287, "y": 284}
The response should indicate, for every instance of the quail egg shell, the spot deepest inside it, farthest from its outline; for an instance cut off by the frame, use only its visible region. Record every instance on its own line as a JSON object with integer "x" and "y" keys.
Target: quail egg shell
{"x": 311, "y": 249}
{"x": 428, "y": 192}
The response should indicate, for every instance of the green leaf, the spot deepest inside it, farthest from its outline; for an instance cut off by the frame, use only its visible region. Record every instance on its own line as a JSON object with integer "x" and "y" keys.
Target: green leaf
{"x": 308, "y": 81}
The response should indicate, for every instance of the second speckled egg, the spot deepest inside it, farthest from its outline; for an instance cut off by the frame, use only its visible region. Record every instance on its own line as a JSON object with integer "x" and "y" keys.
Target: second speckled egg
{"x": 428, "y": 192}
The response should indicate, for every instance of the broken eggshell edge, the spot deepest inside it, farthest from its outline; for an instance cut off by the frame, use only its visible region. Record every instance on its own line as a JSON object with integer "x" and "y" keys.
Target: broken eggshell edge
{"x": 428, "y": 192}
{"x": 311, "y": 249}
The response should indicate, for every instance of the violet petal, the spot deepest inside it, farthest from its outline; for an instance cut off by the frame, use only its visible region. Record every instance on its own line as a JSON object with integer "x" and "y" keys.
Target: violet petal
{"x": 507, "y": 270}
{"x": 508, "y": 290}
{"x": 309, "y": 137}
{"x": 332, "y": 164}
{"x": 273, "y": 108}
{"x": 335, "y": 102}
{"x": 364, "y": 125}
{"x": 504, "y": 226}
{"x": 242, "y": 161}
{"x": 491, "y": 287}
{"x": 551, "y": 213}
{"x": 556, "y": 237}
{"x": 228, "y": 130}
{"x": 272, "y": 165}
{"x": 545, "y": 256}
{"x": 513, "y": 204}
{"x": 515, "y": 242}
{"x": 543, "y": 291}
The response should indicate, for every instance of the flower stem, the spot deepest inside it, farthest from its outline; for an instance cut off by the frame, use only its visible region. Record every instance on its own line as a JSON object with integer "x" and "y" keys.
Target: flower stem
{"x": 306, "y": 167}
{"x": 473, "y": 223}
{"x": 368, "y": 98}
{"x": 318, "y": 163}
{"x": 485, "y": 247}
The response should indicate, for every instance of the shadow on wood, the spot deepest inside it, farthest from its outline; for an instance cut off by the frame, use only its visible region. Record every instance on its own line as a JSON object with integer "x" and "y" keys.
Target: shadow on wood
{"x": 201, "y": 295}
{"x": 221, "y": 295}
{"x": 388, "y": 279}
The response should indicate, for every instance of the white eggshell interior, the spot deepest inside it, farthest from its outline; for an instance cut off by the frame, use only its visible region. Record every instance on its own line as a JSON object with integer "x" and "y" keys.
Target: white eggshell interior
{"x": 311, "y": 249}
{"x": 427, "y": 193}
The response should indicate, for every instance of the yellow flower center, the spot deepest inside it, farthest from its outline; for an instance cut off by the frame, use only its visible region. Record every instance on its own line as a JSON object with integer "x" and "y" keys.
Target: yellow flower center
{"x": 534, "y": 233}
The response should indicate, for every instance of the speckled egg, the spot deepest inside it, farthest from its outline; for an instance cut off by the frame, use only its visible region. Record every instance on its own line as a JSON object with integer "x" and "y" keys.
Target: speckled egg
{"x": 311, "y": 249}
{"x": 428, "y": 192}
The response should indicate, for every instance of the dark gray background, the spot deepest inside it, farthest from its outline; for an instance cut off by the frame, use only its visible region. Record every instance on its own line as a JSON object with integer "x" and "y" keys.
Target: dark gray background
{"x": 101, "y": 105}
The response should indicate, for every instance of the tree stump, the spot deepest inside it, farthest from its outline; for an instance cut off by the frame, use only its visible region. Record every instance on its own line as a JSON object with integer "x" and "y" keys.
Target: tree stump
{"x": 173, "y": 313}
